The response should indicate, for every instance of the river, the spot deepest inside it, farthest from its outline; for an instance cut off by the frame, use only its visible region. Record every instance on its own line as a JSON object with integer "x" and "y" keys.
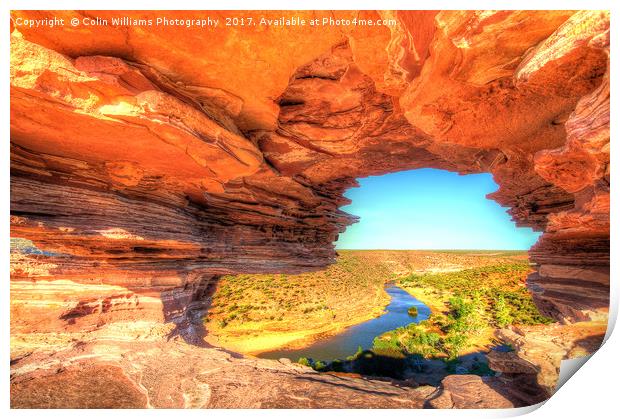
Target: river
{"x": 346, "y": 343}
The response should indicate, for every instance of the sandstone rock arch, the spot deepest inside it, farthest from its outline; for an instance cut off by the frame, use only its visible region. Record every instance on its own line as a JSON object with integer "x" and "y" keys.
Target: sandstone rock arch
{"x": 145, "y": 164}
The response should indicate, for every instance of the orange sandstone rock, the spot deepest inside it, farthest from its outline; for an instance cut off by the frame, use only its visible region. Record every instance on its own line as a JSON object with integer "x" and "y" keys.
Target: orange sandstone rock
{"x": 148, "y": 162}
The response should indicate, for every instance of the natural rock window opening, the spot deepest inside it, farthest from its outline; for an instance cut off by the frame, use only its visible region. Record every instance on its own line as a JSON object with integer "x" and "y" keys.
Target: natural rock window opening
{"x": 430, "y": 209}
{"x": 153, "y": 174}
{"x": 430, "y": 238}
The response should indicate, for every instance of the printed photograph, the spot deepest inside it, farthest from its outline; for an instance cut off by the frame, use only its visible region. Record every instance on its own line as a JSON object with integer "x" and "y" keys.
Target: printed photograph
{"x": 306, "y": 209}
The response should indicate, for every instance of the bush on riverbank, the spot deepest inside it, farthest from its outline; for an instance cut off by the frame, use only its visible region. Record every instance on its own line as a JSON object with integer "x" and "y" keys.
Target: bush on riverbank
{"x": 378, "y": 363}
{"x": 477, "y": 301}
{"x": 440, "y": 334}
{"x": 497, "y": 292}
{"x": 502, "y": 313}
{"x": 305, "y": 362}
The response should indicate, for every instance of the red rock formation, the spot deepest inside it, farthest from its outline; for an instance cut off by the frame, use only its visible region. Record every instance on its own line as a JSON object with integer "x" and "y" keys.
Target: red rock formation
{"x": 144, "y": 163}
{"x": 539, "y": 350}
{"x": 139, "y": 374}
{"x": 475, "y": 392}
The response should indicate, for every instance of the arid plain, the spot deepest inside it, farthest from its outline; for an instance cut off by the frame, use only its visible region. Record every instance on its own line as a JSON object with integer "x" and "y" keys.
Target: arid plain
{"x": 172, "y": 187}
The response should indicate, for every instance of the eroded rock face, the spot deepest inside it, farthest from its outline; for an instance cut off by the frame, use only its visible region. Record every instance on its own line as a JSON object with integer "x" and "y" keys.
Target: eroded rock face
{"x": 160, "y": 374}
{"x": 475, "y": 392}
{"x": 146, "y": 163}
{"x": 539, "y": 350}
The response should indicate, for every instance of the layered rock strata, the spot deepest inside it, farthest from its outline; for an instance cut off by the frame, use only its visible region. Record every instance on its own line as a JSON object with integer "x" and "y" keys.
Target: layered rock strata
{"x": 145, "y": 163}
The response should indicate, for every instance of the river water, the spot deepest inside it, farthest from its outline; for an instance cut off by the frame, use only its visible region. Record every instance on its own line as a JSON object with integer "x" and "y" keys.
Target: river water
{"x": 346, "y": 343}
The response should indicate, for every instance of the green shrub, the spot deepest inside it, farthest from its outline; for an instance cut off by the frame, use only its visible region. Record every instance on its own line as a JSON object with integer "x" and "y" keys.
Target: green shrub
{"x": 482, "y": 369}
{"x": 337, "y": 365}
{"x": 454, "y": 343}
{"x": 385, "y": 364}
{"x": 465, "y": 316}
{"x": 357, "y": 354}
{"x": 418, "y": 340}
{"x": 319, "y": 366}
{"x": 304, "y": 361}
{"x": 386, "y": 342}
{"x": 483, "y": 286}
{"x": 502, "y": 312}
{"x": 451, "y": 365}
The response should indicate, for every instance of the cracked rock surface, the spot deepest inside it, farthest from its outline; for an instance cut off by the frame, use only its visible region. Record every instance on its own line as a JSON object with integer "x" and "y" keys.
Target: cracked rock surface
{"x": 145, "y": 164}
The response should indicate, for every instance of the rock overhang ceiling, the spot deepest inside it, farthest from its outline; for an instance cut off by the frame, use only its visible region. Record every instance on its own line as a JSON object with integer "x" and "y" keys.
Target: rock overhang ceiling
{"x": 155, "y": 160}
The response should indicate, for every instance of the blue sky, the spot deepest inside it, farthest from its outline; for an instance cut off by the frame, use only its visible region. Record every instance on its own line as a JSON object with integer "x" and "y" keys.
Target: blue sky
{"x": 430, "y": 209}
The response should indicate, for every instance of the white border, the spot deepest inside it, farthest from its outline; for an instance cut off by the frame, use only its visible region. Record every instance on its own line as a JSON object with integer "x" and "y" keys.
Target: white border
{"x": 591, "y": 393}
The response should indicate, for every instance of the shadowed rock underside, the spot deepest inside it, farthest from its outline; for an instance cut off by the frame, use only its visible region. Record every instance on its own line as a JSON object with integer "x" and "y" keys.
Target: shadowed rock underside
{"x": 145, "y": 164}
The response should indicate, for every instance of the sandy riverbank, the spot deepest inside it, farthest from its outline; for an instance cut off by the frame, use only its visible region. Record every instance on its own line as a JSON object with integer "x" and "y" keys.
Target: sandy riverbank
{"x": 266, "y": 340}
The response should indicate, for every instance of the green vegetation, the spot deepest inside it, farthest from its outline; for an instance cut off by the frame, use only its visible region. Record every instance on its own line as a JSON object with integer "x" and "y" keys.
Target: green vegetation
{"x": 319, "y": 366}
{"x": 494, "y": 294}
{"x": 502, "y": 313}
{"x": 319, "y": 296}
{"x": 475, "y": 303}
{"x": 304, "y": 361}
{"x": 372, "y": 363}
{"x": 350, "y": 288}
{"x": 413, "y": 311}
{"x": 251, "y": 313}
{"x": 481, "y": 369}
{"x": 413, "y": 339}
{"x": 254, "y": 312}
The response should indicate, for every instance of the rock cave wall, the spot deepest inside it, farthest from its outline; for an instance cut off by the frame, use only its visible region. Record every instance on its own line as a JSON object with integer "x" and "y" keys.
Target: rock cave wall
{"x": 146, "y": 163}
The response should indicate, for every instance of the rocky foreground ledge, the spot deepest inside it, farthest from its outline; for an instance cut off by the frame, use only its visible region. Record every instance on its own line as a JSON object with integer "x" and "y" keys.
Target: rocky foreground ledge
{"x": 146, "y": 164}
{"x": 138, "y": 365}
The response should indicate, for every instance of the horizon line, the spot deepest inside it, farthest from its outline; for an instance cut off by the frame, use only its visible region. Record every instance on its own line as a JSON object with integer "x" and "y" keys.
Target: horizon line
{"x": 460, "y": 249}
